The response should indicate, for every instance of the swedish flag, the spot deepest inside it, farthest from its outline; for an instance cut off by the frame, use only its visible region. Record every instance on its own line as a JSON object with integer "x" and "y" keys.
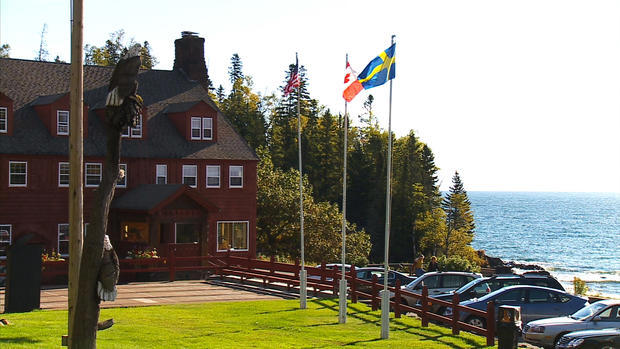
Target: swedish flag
{"x": 380, "y": 69}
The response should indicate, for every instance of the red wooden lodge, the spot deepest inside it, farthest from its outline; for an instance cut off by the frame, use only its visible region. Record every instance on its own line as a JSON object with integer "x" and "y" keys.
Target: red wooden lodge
{"x": 190, "y": 178}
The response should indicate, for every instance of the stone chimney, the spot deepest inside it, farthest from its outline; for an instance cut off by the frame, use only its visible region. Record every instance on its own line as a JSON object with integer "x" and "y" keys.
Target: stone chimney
{"x": 189, "y": 57}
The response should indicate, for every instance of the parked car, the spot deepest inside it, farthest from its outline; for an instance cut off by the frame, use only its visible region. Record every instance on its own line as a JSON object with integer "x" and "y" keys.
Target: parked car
{"x": 536, "y": 303}
{"x": 480, "y": 287}
{"x": 368, "y": 272}
{"x": 591, "y": 339}
{"x": 437, "y": 283}
{"x": 596, "y": 316}
{"x": 330, "y": 266}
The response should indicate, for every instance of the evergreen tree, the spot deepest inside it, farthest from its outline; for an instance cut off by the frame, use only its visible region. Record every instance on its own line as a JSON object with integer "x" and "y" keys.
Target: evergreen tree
{"x": 111, "y": 52}
{"x": 43, "y": 53}
{"x": 5, "y": 51}
{"x": 459, "y": 216}
{"x": 235, "y": 71}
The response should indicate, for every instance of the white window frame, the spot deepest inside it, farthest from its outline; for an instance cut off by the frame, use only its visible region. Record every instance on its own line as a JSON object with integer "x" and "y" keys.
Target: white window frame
{"x": 206, "y": 121}
{"x": 195, "y": 176}
{"x": 25, "y": 184}
{"x": 158, "y": 174}
{"x": 4, "y": 120}
{"x": 219, "y": 176}
{"x": 230, "y": 176}
{"x": 98, "y": 164}
{"x": 133, "y": 132}
{"x": 64, "y": 125}
{"x": 8, "y": 243}
{"x": 196, "y": 124}
{"x": 122, "y": 182}
{"x": 247, "y": 236}
{"x": 61, "y": 174}
{"x": 59, "y": 240}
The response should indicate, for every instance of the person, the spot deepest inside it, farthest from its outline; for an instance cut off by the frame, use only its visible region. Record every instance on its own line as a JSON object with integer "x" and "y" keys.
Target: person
{"x": 432, "y": 265}
{"x": 418, "y": 263}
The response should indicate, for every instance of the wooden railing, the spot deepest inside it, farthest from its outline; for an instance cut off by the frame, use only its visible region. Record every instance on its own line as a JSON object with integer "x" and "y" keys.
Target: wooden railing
{"x": 320, "y": 279}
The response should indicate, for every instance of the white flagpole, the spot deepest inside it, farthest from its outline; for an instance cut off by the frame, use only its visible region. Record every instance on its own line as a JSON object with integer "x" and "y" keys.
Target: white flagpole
{"x": 342, "y": 315}
{"x": 302, "y": 274}
{"x": 385, "y": 294}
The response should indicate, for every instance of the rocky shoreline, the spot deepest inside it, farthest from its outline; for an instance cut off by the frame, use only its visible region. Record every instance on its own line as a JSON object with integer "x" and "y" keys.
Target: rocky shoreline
{"x": 500, "y": 267}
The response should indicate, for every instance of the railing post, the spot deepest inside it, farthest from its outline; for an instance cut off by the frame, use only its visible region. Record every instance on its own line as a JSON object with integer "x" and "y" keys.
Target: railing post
{"x": 297, "y": 268}
{"x": 455, "y": 314}
{"x": 397, "y": 299}
{"x": 322, "y": 271}
{"x": 272, "y": 261}
{"x": 335, "y": 281}
{"x": 491, "y": 323}
{"x": 353, "y": 284}
{"x": 375, "y": 292}
{"x": 171, "y": 263}
{"x": 424, "y": 301}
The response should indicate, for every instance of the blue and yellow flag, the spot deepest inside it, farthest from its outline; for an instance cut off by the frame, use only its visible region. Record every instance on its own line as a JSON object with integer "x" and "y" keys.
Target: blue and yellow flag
{"x": 380, "y": 69}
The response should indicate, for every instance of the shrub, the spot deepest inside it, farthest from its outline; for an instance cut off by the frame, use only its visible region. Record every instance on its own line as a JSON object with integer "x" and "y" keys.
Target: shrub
{"x": 580, "y": 286}
{"x": 456, "y": 263}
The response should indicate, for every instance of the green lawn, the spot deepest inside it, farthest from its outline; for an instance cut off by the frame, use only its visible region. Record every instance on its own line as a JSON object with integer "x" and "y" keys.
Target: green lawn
{"x": 261, "y": 324}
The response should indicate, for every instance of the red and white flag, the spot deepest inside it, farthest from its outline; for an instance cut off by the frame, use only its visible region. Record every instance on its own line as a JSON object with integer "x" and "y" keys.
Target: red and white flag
{"x": 293, "y": 80}
{"x": 351, "y": 85}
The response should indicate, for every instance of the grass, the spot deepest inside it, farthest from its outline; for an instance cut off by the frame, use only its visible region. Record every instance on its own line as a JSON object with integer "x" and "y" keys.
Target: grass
{"x": 260, "y": 324}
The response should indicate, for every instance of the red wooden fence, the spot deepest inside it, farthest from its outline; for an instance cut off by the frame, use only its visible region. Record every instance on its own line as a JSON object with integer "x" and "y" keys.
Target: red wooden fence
{"x": 320, "y": 279}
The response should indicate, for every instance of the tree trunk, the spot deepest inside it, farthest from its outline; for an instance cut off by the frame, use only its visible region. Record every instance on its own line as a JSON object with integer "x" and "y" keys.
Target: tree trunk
{"x": 84, "y": 330}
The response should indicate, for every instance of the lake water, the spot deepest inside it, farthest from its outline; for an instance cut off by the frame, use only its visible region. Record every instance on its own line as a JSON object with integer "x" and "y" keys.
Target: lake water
{"x": 569, "y": 234}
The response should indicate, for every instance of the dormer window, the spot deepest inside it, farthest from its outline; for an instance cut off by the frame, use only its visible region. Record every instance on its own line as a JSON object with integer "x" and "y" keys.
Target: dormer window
{"x": 202, "y": 128}
{"x": 4, "y": 120}
{"x": 133, "y": 132}
{"x": 62, "y": 122}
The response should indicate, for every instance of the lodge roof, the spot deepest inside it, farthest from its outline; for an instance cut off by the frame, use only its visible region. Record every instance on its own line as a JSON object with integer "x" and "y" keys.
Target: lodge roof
{"x": 28, "y": 83}
{"x": 151, "y": 197}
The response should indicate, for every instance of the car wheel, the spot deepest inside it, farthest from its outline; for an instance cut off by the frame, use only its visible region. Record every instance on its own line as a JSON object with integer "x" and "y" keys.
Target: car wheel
{"x": 404, "y": 302}
{"x": 557, "y": 339}
{"x": 606, "y": 346}
{"x": 441, "y": 310}
{"x": 477, "y": 321}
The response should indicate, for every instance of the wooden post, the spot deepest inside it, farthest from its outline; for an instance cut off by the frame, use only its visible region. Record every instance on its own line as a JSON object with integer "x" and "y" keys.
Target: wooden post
{"x": 375, "y": 292}
{"x": 353, "y": 284}
{"x": 455, "y": 314}
{"x": 322, "y": 271}
{"x": 491, "y": 323}
{"x": 335, "y": 281}
{"x": 76, "y": 160}
{"x": 424, "y": 301}
{"x": 272, "y": 261}
{"x": 397, "y": 299}
{"x": 297, "y": 268}
{"x": 171, "y": 263}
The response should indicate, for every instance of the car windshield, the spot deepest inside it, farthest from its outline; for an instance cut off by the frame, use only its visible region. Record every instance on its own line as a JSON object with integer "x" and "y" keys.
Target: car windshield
{"x": 467, "y": 286}
{"x": 588, "y": 311}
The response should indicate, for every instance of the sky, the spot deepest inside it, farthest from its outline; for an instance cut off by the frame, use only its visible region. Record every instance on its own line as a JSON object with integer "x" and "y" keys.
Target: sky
{"x": 514, "y": 95}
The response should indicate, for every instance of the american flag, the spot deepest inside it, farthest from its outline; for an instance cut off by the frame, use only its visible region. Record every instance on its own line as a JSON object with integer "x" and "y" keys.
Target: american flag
{"x": 293, "y": 81}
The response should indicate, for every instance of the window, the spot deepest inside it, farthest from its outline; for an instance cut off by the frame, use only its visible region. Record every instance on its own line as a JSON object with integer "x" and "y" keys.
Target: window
{"x": 93, "y": 174}
{"x": 161, "y": 174}
{"x": 213, "y": 176}
{"x": 186, "y": 233}
{"x": 232, "y": 235}
{"x": 63, "y": 174}
{"x": 190, "y": 175}
{"x": 5, "y": 239}
{"x": 430, "y": 282}
{"x": 62, "y": 122}
{"x": 207, "y": 128}
{"x": 453, "y": 281}
{"x": 17, "y": 173}
{"x": 4, "y": 120}
{"x": 236, "y": 176}
{"x": 63, "y": 239}
{"x": 133, "y": 132}
{"x": 135, "y": 231}
{"x": 202, "y": 128}
{"x": 122, "y": 179}
{"x": 512, "y": 296}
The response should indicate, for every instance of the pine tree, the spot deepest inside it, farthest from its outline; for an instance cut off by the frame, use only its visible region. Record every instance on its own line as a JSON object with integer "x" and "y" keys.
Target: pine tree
{"x": 235, "y": 71}
{"x": 111, "y": 52}
{"x": 459, "y": 216}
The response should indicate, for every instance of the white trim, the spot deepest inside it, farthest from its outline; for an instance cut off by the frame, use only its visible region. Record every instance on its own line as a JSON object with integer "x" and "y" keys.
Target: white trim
{"x": 124, "y": 168}
{"x": 86, "y": 174}
{"x": 195, "y": 176}
{"x": 58, "y": 131}
{"x": 204, "y": 127}
{"x": 165, "y": 176}
{"x": 10, "y": 238}
{"x": 4, "y": 117}
{"x": 247, "y": 236}
{"x": 230, "y": 176}
{"x": 133, "y": 132}
{"x": 219, "y": 176}
{"x": 193, "y": 127}
{"x": 25, "y": 174}
{"x": 68, "y": 174}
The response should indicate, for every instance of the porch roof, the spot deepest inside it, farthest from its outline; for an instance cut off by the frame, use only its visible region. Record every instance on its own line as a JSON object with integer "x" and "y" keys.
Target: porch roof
{"x": 151, "y": 198}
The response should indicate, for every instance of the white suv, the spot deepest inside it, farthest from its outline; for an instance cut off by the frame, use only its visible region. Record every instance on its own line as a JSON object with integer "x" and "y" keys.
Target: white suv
{"x": 437, "y": 283}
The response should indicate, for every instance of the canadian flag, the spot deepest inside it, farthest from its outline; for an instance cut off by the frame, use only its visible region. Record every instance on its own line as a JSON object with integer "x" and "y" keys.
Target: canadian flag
{"x": 351, "y": 85}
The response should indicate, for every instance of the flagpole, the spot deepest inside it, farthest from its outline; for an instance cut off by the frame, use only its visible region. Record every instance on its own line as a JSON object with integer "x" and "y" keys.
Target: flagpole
{"x": 302, "y": 275}
{"x": 342, "y": 315}
{"x": 385, "y": 294}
